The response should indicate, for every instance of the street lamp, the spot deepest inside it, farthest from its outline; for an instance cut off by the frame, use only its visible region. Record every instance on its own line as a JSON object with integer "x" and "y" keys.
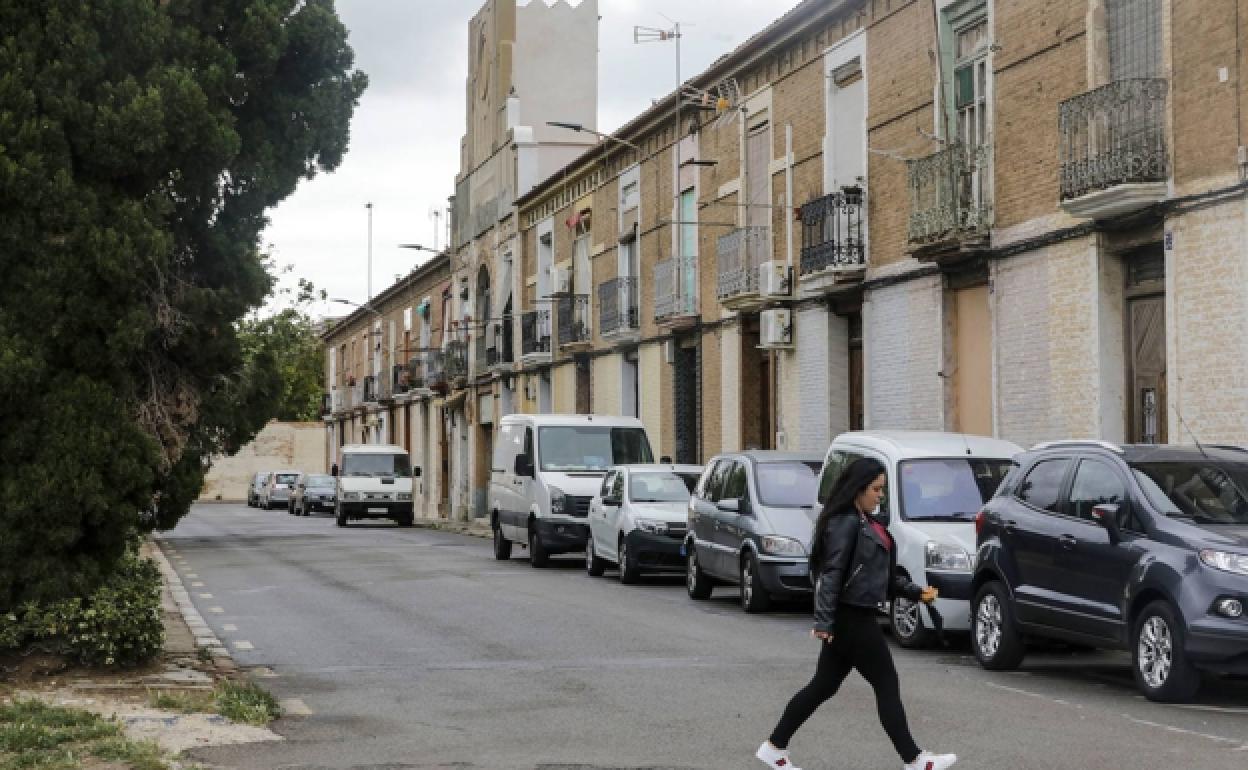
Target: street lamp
{"x": 356, "y": 304}
{"x": 579, "y": 129}
{"x": 418, "y": 247}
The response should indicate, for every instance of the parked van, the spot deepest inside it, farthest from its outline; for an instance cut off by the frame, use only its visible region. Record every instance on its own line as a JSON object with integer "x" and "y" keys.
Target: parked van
{"x": 546, "y": 469}
{"x": 937, "y": 483}
{"x": 374, "y": 482}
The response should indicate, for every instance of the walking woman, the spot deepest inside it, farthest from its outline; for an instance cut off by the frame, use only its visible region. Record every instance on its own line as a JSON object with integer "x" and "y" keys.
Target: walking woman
{"x": 854, "y": 565}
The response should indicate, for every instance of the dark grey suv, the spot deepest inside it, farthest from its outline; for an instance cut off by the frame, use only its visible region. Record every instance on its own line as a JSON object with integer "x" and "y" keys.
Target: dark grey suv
{"x": 1143, "y": 548}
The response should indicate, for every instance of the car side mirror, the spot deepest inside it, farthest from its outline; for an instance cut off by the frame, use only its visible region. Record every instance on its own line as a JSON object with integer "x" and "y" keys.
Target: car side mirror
{"x": 612, "y": 501}
{"x": 730, "y": 505}
{"x": 523, "y": 466}
{"x": 1106, "y": 514}
{"x": 415, "y": 471}
{"x": 333, "y": 469}
{"x": 666, "y": 459}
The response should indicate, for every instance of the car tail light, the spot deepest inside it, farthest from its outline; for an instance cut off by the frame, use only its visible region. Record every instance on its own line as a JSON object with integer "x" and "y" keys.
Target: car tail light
{"x": 980, "y": 519}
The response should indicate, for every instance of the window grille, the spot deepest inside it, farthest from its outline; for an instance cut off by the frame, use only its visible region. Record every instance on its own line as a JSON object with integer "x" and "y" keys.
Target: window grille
{"x": 1134, "y": 38}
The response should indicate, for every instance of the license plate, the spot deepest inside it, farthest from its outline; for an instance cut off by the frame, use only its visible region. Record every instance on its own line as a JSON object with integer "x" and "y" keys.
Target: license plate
{"x": 378, "y": 510}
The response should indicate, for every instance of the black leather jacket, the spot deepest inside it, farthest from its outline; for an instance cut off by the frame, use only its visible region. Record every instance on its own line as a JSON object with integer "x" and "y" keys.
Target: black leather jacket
{"x": 856, "y": 569}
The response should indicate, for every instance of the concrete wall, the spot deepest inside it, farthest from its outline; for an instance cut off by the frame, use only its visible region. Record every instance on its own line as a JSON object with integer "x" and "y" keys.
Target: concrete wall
{"x": 903, "y": 343}
{"x": 280, "y": 445}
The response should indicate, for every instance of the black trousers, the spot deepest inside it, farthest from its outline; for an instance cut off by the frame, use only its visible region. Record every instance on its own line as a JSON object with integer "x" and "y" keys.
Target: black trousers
{"x": 857, "y": 643}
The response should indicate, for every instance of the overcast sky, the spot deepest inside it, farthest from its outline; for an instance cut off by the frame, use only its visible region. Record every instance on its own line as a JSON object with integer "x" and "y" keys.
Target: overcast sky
{"x": 404, "y": 150}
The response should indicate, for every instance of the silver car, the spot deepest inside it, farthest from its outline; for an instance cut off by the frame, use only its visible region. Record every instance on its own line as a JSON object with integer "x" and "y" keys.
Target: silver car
{"x": 278, "y": 488}
{"x": 750, "y": 523}
{"x": 254, "y": 492}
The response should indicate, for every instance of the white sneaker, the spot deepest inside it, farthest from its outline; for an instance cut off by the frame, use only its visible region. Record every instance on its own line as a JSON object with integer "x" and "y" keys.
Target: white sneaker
{"x": 774, "y": 757}
{"x": 929, "y": 761}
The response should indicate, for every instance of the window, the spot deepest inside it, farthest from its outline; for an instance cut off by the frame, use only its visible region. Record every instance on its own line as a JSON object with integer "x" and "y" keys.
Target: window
{"x": 837, "y": 462}
{"x": 1209, "y": 493}
{"x": 948, "y": 490}
{"x": 508, "y": 444}
{"x": 617, "y": 487}
{"x": 1095, "y": 484}
{"x": 715, "y": 481}
{"x": 736, "y": 485}
{"x": 590, "y": 448}
{"x": 1043, "y": 485}
{"x": 1134, "y": 38}
{"x": 605, "y": 491}
{"x": 787, "y": 485}
{"x": 664, "y": 487}
{"x": 368, "y": 464}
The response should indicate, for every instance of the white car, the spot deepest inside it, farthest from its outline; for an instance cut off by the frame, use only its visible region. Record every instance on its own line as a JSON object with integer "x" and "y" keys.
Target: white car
{"x": 638, "y": 519}
{"x": 937, "y": 482}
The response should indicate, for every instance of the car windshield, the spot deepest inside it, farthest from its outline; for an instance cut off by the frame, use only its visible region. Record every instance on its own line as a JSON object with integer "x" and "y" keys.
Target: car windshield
{"x": 952, "y": 489}
{"x": 661, "y": 487}
{"x": 591, "y": 447}
{"x": 363, "y": 464}
{"x": 790, "y": 484}
{"x": 320, "y": 480}
{"x": 1211, "y": 493}
{"x": 287, "y": 478}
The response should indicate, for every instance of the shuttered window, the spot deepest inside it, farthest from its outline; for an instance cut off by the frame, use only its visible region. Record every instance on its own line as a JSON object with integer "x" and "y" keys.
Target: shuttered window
{"x": 1134, "y": 38}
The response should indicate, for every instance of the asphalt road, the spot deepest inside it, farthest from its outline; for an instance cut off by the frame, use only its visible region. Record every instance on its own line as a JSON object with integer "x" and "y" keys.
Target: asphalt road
{"x": 414, "y": 648}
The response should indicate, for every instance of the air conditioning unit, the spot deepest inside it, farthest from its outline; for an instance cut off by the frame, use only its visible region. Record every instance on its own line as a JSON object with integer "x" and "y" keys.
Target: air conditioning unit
{"x": 773, "y": 279}
{"x": 776, "y": 328}
{"x": 563, "y": 280}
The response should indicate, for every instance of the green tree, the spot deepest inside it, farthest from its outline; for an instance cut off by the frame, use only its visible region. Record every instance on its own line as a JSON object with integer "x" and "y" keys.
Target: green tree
{"x": 291, "y": 338}
{"x": 141, "y": 144}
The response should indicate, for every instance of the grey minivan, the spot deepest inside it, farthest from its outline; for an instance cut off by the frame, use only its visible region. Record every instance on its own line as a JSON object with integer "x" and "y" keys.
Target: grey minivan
{"x": 750, "y": 522}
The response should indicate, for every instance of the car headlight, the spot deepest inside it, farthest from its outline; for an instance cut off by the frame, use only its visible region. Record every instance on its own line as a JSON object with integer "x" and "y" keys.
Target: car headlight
{"x": 1227, "y": 562}
{"x": 782, "y": 546}
{"x": 943, "y": 556}
{"x": 404, "y": 497}
{"x": 558, "y": 501}
{"x": 350, "y": 495}
{"x": 653, "y": 526}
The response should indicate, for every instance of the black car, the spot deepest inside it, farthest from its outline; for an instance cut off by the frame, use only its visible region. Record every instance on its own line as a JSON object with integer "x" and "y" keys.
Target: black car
{"x": 313, "y": 492}
{"x": 1143, "y": 548}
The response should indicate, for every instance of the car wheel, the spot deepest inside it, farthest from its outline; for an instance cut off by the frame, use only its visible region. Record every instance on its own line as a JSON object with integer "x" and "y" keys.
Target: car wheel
{"x": 994, "y": 635}
{"x": 906, "y": 620}
{"x": 502, "y": 546}
{"x": 1162, "y": 671}
{"x": 630, "y": 570}
{"x": 406, "y": 521}
{"x": 697, "y": 582}
{"x": 593, "y": 562}
{"x": 538, "y": 556}
{"x": 754, "y": 597}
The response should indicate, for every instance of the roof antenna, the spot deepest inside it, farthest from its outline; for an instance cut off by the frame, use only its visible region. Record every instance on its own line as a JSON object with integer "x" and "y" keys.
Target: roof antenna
{"x": 1190, "y": 433}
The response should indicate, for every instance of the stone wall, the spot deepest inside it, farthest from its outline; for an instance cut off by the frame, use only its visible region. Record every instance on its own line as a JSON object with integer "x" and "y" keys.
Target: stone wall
{"x": 279, "y": 446}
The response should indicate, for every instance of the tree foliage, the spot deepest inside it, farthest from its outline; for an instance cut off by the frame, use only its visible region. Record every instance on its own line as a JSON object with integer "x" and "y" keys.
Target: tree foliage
{"x": 141, "y": 144}
{"x": 290, "y": 337}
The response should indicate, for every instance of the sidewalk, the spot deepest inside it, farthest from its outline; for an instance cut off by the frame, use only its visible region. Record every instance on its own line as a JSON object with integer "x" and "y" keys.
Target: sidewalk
{"x": 475, "y": 528}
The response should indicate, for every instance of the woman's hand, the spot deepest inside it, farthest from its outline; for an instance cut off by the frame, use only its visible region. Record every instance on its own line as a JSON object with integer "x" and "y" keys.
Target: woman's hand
{"x": 929, "y": 595}
{"x": 823, "y": 636}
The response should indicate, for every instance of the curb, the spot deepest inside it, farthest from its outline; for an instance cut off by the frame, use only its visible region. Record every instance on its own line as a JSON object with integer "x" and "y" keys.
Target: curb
{"x": 470, "y": 528}
{"x": 205, "y": 638}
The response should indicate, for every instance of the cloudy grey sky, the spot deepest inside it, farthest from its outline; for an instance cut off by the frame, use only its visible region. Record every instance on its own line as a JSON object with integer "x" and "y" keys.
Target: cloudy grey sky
{"x": 405, "y": 136}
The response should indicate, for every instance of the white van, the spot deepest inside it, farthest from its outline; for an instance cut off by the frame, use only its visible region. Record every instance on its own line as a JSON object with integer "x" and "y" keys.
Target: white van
{"x": 546, "y": 469}
{"x": 374, "y": 482}
{"x": 937, "y": 482}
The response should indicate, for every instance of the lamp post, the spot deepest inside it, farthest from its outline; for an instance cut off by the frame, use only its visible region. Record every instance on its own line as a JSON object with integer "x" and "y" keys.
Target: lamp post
{"x": 418, "y": 247}
{"x": 369, "y": 206}
{"x": 582, "y": 129}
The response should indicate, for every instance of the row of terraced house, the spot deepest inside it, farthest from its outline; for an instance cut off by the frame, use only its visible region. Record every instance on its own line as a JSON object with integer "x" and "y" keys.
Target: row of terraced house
{"x": 1024, "y": 219}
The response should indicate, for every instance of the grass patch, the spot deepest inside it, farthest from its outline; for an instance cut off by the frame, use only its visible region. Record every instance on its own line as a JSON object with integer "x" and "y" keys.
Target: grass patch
{"x": 185, "y": 702}
{"x": 34, "y": 734}
{"x": 246, "y": 702}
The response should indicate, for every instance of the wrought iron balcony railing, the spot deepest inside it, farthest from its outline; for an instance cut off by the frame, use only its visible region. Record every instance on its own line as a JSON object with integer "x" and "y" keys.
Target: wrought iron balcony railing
{"x": 740, "y": 253}
{"x": 573, "y": 319}
{"x": 535, "y": 332}
{"x": 435, "y": 369}
{"x": 832, "y": 232}
{"x": 482, "y": 358}
{"x": 950, "y": 194}
{"x": 399, "y": 379}
{"x": 617, "y": 306}
{"x": 1113, "y": 135}
{"x": 370, "y": 389}
{"x": 456, "y": 359}
{"x": 675, "y": 288}
{"x": 416, "y": 370}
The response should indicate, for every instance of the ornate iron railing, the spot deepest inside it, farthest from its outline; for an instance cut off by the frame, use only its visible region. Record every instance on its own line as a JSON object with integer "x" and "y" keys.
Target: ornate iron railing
{"x": 456, "y": 359}
{"x": 950, "y": 194}
{"x": 435, "y": 369}
{"x": 482, "y": 345}
{"x": 675, "y": 287}
{"x": 416, "y": 372}
{"x": 573, "y": 319}
{"x": 370, "y": 388}
{"x": 617, "y": 305}
{"x": 1113, "y": 135}
{"x": 739, "y": 254}
{"x": 832, "y": 231}
{"x": 535, "y": 332}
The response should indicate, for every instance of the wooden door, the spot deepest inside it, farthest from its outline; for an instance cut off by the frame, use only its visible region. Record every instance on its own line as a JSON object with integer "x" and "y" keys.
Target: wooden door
{"x": 1146, "y": 340}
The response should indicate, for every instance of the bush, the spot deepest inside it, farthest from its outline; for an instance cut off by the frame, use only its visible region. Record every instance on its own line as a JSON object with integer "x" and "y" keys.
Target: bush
{"x": 117, "y": 625}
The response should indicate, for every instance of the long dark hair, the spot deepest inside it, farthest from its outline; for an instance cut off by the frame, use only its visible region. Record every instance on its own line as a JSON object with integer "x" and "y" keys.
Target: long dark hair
{"x": 853, "y": 480}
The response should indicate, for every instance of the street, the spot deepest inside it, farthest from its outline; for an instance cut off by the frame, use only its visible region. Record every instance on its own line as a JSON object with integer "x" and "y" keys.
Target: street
{"x": 414, "y": 648}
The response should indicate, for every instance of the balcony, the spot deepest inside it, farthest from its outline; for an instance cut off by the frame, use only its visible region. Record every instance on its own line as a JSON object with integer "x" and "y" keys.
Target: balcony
{"x": 618, "y": 319}
{"x": 435, "y": 371}
{"x": 500, "y": 355}
{"x": 573, "y": 321}
{"x": 455, "y": 358}
{"x": 676, "y": 292}
{"x": 328, "y": 403}
{"x": 535, "y": 337}
{"x": 371, "y": 391}
{"x": 833, "y": 250}
{"x": 481, "y": 357}
{"x": 950, "y": 202}
{"x": 1112, "y": 145}
{"x": 740, "y": 253}
{"x": 417, "y": 379}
